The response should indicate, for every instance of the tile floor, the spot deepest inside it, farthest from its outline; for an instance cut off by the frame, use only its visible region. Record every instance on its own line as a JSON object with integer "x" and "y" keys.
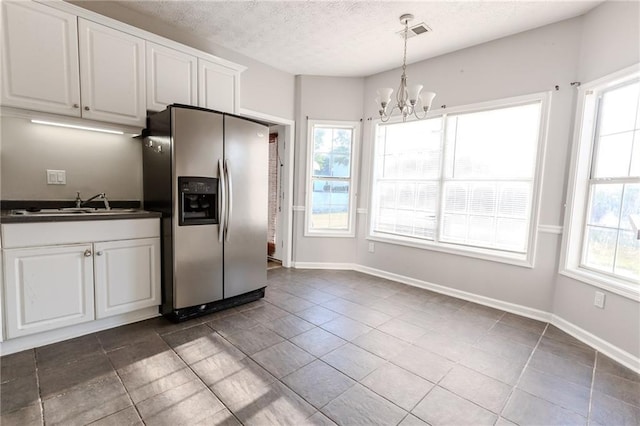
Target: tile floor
{"x": 324, "y": 347}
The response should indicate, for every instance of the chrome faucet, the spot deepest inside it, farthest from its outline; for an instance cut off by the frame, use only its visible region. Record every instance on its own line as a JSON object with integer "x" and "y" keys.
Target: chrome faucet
{"x": 102, "y": 195}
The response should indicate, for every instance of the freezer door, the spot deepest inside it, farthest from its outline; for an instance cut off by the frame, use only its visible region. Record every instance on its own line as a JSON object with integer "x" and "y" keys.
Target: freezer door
{"x": 197, "y": 138}
{"x": 246, "y": 164}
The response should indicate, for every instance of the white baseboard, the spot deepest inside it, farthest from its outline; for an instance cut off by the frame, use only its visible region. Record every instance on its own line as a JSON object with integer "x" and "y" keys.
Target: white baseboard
{"x": 323, "y": 265}
{"x": 599, "y": 344}
{"x": 471, "y": 297}
{"x": 613, "y": 352}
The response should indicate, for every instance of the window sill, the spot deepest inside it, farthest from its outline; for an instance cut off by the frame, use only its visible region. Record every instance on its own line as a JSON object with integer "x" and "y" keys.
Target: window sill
{"x": 521, "y": 260}
{"x": 628, "y": 290}
{"x": 323, "y": 234}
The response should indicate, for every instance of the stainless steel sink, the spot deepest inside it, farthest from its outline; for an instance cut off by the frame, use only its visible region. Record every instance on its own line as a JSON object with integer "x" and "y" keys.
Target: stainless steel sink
{"x": 116, "y": 211}
{"x": 72, "y": 211}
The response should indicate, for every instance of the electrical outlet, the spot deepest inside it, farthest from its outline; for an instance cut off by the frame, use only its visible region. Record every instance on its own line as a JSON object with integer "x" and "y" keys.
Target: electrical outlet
{"x": 372, "y": 247}
{"x": 56, "y": 177}
{"x": 598, "y": 301}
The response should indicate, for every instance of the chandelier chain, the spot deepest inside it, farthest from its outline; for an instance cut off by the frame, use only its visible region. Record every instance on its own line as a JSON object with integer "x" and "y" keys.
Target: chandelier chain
{"x": 404, "y": 56}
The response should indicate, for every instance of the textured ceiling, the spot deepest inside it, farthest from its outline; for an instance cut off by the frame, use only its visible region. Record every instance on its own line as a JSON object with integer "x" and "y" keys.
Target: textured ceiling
{"x": 351, "y": 38}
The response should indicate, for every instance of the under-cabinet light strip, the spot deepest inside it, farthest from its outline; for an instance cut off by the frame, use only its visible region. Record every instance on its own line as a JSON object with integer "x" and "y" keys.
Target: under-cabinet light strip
{"x": 73, "y": 126}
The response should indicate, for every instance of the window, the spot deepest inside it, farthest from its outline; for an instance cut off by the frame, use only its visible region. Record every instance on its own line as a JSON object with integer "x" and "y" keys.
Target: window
{"x": 601, "y": 246}
{"x": 462, "y": 181}
{"x": 331, "y": 167}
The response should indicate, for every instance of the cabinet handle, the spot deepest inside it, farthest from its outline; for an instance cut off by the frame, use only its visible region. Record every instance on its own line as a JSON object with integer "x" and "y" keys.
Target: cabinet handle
{"x": 76, "y": 106}
{"x": 99, "y": 253}
{"x": 87, "y": 108}
{"x": 87, "y": 253}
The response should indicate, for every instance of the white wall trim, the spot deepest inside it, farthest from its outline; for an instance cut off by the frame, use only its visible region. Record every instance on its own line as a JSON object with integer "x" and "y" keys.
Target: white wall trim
{"x": 613, "y": 352}
{"x": 323, "y": 265}
{"x": 550, "y": 229}
{"x": 273, "y": 119}
{"x": 599, "y": 281}
{"x": 18, "y": 344}
{"x": 362, "y": 211}
{"x": 599, "y": 344}
{"x": 460, "y": 294}
{"x": 298, "y": 208}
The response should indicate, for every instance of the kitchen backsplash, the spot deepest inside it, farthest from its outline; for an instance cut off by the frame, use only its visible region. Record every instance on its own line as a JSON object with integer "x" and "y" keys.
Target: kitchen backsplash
{"x": 93, "y": 162}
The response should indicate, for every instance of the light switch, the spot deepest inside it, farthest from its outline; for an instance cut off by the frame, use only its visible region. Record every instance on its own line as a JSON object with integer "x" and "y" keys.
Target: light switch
{"x": 56, "y": 177}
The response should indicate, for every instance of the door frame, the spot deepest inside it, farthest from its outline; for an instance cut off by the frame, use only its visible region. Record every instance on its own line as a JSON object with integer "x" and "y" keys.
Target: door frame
{"x": 287, "y": 178}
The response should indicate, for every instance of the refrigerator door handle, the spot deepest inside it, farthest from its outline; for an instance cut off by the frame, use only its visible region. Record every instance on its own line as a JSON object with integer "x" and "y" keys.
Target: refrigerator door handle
{"x": 222, "y": 201}
{"x": 229, "y": 200}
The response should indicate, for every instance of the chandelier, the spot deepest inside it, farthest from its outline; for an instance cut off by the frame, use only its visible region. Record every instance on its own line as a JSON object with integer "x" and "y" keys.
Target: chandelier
{"x": 410, "y": 100}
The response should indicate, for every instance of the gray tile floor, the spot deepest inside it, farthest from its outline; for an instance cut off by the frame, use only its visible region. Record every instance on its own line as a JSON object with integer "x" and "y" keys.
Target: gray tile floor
{"x": 324, "y": 347}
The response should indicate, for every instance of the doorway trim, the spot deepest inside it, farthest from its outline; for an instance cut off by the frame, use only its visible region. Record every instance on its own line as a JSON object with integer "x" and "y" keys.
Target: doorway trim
{"x": 287, "y": 214}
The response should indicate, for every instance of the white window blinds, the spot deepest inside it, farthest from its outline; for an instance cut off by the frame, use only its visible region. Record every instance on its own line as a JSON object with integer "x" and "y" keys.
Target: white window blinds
{"x": 463, "y": 179}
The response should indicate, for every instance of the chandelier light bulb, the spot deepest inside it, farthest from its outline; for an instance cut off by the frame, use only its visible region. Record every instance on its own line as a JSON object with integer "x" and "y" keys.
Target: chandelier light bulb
{"x": 385, "y": 95}
{"x": 426, "y": 98}
{"x": 414, "y": 93}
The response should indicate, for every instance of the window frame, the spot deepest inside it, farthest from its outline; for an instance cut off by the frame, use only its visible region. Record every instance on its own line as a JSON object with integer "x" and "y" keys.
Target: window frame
{"x": 350, "y": 232}
{"x": 578, "y": 190}
{"x": 526, "y": 259}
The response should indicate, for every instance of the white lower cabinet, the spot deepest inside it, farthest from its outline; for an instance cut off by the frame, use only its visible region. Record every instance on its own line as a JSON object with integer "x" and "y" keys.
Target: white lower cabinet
{"x": 126, "y": 276}
{"x": 47, "y": 288}
{"x": 51, "y": 282}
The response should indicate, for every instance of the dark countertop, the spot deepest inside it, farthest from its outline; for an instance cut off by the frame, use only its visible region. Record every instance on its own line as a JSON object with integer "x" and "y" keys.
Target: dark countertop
{"x": 123, "y": 210}
{"x": 7, "y": 217}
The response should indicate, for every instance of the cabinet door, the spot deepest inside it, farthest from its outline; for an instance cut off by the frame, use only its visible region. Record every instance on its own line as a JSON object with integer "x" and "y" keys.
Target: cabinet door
{"x": 111, "y": 75}
{"x": 127, "y": 275}
{"x": 39, "y": 58}
{"x": 217, "y": 86}
{"x": 47, "y": 288}
{"x": 171, "y": 77}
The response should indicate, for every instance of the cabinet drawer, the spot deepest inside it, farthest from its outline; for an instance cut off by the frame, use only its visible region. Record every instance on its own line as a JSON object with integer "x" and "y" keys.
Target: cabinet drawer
{"x": 52, "y": 233}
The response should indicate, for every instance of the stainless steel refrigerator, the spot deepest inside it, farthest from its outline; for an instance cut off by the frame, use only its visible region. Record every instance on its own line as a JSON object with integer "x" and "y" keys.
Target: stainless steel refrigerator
{"x": 207, "y": 173}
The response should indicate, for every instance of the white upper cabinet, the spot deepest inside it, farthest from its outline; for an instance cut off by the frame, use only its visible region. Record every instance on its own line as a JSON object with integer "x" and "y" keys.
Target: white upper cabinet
{"x": 39, "y": 58}
{"x": 111, "y": 75}
{"x": 55, "y": 61}
{"x": 172, "y": 77}
{"x": 218, "y": 86}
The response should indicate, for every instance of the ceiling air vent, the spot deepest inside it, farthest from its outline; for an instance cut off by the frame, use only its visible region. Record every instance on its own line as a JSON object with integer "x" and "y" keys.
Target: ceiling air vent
{"x": 416, "y": 30}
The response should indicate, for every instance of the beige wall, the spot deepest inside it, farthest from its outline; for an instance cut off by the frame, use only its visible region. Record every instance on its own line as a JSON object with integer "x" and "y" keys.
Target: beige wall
{"x": 94, "y": 162}
{"x": 321, "y": 98}
{"x": 610, "y": 42}
{"x": 610, "y": 39}
{"x": 530, "y": 62}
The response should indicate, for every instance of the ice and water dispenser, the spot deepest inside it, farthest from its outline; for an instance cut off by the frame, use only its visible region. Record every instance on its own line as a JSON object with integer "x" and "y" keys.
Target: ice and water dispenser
{"x": 198, "y": 200}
